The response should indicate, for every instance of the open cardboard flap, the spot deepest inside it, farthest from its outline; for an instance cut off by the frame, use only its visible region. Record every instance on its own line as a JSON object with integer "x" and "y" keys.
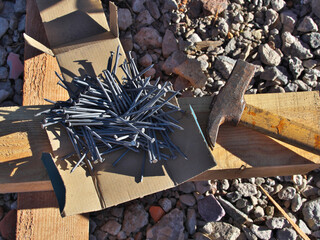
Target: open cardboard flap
{"x": 81, "y": 40}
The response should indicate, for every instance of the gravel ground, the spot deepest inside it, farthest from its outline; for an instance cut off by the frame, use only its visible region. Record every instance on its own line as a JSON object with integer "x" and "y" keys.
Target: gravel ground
{"x": 281, "y": 38}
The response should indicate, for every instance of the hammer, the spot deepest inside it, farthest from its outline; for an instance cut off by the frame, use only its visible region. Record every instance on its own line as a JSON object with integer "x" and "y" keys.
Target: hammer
{"x": 229, "y": 105}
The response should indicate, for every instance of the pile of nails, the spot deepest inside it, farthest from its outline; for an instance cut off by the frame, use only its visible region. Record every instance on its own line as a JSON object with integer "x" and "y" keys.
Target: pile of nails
{"x": 102, "y": 115}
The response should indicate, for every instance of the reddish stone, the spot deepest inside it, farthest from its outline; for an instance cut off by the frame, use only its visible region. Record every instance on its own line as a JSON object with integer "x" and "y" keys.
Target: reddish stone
{"x": 16, "y": 67}
{"x": 156, "y": 213}
{"x": 8, "y": 225}
{"x": 187, "y": 93}
{"x": 138, "y": 236}
{"x": 181, "y": 83}
{"x": 215, "y": 6}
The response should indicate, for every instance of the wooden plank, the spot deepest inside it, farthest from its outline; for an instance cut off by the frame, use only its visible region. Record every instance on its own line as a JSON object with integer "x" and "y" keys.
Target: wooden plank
{"x": 38, "y": 217}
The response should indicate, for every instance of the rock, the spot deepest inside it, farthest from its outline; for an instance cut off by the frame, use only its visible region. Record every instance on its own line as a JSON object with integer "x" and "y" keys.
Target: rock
{"x": 233, "y": 196}
{"x": 166, "y": 204}
{"x": 124, "y": 18}
{"x": 191, "y": 70}
{"x": 20, "y": 6}
{"x": 231, "y": 46}
{"x": 187, "y": 199}
{"x": 203, "y": 59}
{"x": 112, "y": 227}
{"x": 1, "y": 212}
{"x": 238, "y": 216}
{"x": 173, "y": 61}
{"x": 150, "y": 73}
{"x": 276, "y": 222}
{"x": 100, "y": 234}
{"x": 311, "y": 213}
{"x": 303, "y": 226}
{"x": 247, "y": 189}
{"x": 315, "y": 6}
{"x": 4, "y": 94}
{"x": 249, "y": 234}
{"x": 187, "y": 187}
{"x": 194, "y": 38}
{"x": 287, "y": 233}
{"x": 287, "y": 193}
{"x": 307, "y": 25}
{"x": 313, "y": 39}
{"x": 275, "y": 74}
{"x": 295, "y": 66}
{"x": 291, "y": 87}
{"x": 210, "y": 209}
{"x": 181, "y": 83}
{"x": 127, "y": 42}
{"x": 258, "y": 212}
{"x": 191, "y": 222}
{"x": 18, "y": 85}
{"x": 22, "y": 23}
{"x": 310, "y": 63}
{"x": 135, "y": 217}
{"x": 309, "y": 191}
{"x": 17, "y": 99}
{"x": 269, "y": 211}
{"x": 138, "y": 5}
{"x": 7, "y": 10}
{"x": 302, "y": 85}
{"x": 271, "y": 17}
{"x": 224, "y": 65}
{"x": 4, "y": 25}
{"x": 16, "y": 67}
{"x": 153, "y": 9}
{"x": 8, "y": 225}
{"x": 277, "y": 5}
{"x": 202, "y": 186}
{"x": 169, "y": 44}
{"x": 156, "y": 213}
{"x": 296, "y": 203}
{"x": 144, "y": 19}
{"x": 122, "y": 235}
{"x": 242, "y": 203}
{"x": 148, "y": 37}
{"x": 221, "y": 231}
{"x": 170, "y": 5}
{"x": 269, "y": 56}
{"x": 261, "y": 232}
{"x": 292, "y": 46}
{"x": 223, "y": 27}
{"x": 170, "y": 227}
{"x": 215, "y": 6}
{"x": 3, "y": 73}
{"x": 288, "y": 20}
{"x": 3, "y": 55}
{"x": 146, "y": 60}
{"x": 200, "y": 236}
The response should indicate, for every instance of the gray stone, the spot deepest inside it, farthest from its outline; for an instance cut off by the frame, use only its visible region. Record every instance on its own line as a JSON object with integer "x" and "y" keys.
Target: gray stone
{"x": 22, "y": 23}
{"x": 169, "y": 44}
{"x": 291, "y": 87}
{"x": 287, "y": 233}
{"x": 187, "y": 187}
{"x": 187, "y": 199}
{"x": 259, "y": 180}
{"x": 146, "y": 60}
{"x": 223, "y": 27}
{"x": 4, "y": 25}
{"x": 269, "y": 56}
{"x": 169, "y": 227}
{"x": 311, "y": 63}
{"x": 275, "y": 74}
{"x": 276, "y": 222}
{"x": 271, "y": 17}
{"x": 287, "y": 193}
{"x": 303, "y": 226}
{"x": 233, "y": 196}
{"x": 210, "y": 209}
{"x": 261, "y": 232}
{"x": 100, "y": 235}
{"x": 170, "y": 5}
{"x": 309, "y": 191}
{"x": 295, "y": 66}
{"x": 313, "y": 39}
{"x": 311, "y": 213}
{"x": 238, "y": 216}
{"x": 20, "y": 6}
{"x": 117, "y": 211}
{"x": 8, "y": 9}
{"x": 124, "y": 18}
{"x": 153, "y": 9}
{"x": 224, "y": 65}
{"x": 302, "y": 85}
{"x": 194, "y": 38}
{"x": 307, "y": 25}
{"x": 269, "y": 211}
{"x": 292, "y": 46}
{"x": 225, "y": 184}
{"x": 191, "y": 222}
{"x": 144, "y": 19}
{"x": 238, "y": 18}
{"x": 3, "y": 55}
{"x": 231, "y": 46}
{"x": 122, "y": 235}
{"x": 148, "y": 37}
{"x": 200, "y": 236}
{"x": 316, "y": 234}
{"x": 4, "y": 73}
{"x": 92, "y": 225}
{"x": 277, "y": 5}
{"x": 112, "y": 227}
{"x": 241, "y": 203}
{"x": 248, "y": 233}
{"x": 315, "y": 6}
{"x": 311, "y": 75}
{"x": 135, "y": 217}
{"x": 247, "y": 189}
{"x": 13, "y": 23}
{"x": 258, "y": 212}
{"x": 288, "y": 20}
{"x": 202, "y": 186}
{"x": 138, "y": 5}
{"x": 173, "y": 61}
{"x": 296, "y": 203}
{"x": 221, "y": 231}
{"x": 17, "y": 99}
{"x": 166, "y": 204}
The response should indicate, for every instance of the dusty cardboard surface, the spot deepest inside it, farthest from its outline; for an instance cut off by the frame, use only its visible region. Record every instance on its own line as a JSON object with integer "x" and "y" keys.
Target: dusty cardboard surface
{"x": 81, "y": 40}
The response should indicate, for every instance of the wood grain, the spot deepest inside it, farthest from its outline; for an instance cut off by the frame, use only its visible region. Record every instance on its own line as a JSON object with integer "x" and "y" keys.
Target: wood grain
{"x": 38, "y": 218}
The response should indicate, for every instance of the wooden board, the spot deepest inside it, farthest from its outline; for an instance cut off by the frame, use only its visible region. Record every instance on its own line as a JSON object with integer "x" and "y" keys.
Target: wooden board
{"x": 38, "y": 218}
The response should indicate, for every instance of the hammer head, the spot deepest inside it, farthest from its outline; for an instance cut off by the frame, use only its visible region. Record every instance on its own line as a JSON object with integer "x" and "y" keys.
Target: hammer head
{"x": 228, "y": 105}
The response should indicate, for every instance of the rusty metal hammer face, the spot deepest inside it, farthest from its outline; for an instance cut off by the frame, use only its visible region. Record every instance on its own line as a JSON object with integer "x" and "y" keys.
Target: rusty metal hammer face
{"x": 228, "y": 105}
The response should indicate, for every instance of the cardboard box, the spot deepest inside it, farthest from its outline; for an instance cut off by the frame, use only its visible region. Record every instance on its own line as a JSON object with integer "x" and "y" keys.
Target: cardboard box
{"x": 81, "y": 40}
